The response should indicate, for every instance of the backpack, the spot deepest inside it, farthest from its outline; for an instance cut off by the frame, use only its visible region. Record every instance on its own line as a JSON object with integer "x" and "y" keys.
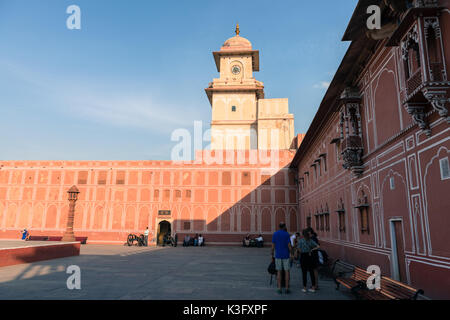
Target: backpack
{"x": 272, "y": 269}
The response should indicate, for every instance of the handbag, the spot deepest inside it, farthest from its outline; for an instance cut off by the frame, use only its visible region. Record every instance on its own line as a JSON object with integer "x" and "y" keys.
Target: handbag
{"x": 272, "y": 269}
{"x": 320, "y": 256}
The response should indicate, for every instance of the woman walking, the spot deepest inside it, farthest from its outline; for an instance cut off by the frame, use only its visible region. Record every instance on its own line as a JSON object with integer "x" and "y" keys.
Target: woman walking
{"x": 306, "y": 246}
{"x": 315, "y": 255}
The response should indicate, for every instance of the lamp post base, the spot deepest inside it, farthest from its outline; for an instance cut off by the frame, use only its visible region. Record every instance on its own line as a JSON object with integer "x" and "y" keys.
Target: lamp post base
{"x": 67, "y": 237}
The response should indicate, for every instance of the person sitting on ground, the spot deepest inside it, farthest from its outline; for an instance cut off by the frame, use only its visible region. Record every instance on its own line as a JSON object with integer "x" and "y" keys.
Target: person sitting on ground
{"x": 246, "y": 241}
{"x": 165, "y": 239}
{"x": 196, "y": 240}
{"x": 201, "y": 242}
{"x": 259, "y": 241}
{"x": 186, "y": 241}
{"x": 170, "y": 240}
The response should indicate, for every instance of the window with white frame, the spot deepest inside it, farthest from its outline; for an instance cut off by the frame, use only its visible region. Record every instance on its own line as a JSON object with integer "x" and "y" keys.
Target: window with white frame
{"x": 392, "y": 183}
{"x": 445, "y": 172}
{"x": 338, "y": 154}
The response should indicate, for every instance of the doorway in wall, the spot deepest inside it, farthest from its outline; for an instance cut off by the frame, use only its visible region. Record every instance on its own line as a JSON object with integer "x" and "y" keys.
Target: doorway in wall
{"x": 398, "y": 251}
{"x": 164, "y": 228}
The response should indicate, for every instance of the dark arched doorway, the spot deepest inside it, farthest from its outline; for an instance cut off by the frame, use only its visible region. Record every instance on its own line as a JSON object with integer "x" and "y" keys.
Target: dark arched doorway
{"x": 164, "y": 228}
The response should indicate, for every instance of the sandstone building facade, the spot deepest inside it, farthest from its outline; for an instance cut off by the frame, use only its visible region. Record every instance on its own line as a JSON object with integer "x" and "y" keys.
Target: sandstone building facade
{"x": 373, "y": 167}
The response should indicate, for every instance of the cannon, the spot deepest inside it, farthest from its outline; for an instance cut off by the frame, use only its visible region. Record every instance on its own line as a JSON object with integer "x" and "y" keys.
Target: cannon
{"x": 169, "y": 240}
{"x": 134, "y": 240}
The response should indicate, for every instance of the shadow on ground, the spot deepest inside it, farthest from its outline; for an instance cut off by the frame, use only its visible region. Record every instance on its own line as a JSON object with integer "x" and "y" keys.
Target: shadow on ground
{"x": 116, "y": 272}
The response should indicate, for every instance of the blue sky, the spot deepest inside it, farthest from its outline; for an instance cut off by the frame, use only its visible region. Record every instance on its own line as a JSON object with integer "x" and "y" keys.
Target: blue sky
{"x": 136, "y": 71}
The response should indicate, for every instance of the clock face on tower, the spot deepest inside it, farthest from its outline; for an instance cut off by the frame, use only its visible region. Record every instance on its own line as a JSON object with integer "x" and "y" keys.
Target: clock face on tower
{"x": 236, "y": 69}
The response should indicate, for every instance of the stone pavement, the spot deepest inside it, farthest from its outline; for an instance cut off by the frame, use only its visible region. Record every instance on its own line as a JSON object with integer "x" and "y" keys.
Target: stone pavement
{"x": 120, "y": 272}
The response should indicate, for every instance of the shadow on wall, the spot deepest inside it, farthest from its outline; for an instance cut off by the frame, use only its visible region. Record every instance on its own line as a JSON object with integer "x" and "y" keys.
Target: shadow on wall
{"x": 258, "y": 212}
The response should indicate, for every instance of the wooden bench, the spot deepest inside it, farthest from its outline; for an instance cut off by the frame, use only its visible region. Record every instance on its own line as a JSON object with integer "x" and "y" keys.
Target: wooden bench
{"x": 38, "y": 238}
{"x": 398, "y": 291}
{"x": 355, "y": 279}
{"x": 83, "y": 240}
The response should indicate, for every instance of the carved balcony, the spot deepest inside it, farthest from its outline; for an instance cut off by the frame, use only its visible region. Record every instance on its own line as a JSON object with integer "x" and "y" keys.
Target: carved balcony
{"x": 423, "y": 59}
{"x": 352, "y": 151}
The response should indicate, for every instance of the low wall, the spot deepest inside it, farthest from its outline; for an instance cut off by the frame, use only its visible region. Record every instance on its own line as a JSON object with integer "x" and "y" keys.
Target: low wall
{"x": 13, "y": 256}
{"x": 120, "y": 237}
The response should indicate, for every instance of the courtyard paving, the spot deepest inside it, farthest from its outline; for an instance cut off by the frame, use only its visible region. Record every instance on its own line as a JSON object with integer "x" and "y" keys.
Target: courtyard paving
{"x": 133, "y": 273}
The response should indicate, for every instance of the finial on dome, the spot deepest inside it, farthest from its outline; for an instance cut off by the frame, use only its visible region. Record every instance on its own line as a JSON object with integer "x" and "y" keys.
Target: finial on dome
{"x": 237, "y": 29}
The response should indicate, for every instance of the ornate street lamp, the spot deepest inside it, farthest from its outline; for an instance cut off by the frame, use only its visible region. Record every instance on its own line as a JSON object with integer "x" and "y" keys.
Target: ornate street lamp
{"x": 69, "y": 236}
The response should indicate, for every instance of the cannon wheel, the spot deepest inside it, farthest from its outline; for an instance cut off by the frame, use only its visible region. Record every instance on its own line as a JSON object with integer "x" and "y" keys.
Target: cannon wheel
{"x": 130, "y": 239}
{"x": 141, "y": 240}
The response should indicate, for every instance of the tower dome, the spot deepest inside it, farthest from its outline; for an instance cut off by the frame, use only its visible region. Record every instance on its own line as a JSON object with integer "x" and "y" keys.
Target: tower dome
{"x": 237, "y": 43}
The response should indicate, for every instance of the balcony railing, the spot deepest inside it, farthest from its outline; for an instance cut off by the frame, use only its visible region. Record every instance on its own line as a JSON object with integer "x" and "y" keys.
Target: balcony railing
{"x": 414, "y": 82}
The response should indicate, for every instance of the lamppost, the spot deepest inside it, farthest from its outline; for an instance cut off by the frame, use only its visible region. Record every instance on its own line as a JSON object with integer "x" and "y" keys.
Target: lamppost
{"x": 69, "y": 236}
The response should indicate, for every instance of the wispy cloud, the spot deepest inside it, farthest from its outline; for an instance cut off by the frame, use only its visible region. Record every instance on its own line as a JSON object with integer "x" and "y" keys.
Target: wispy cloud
{"x": 83, "y": 99}
{"x": 321, "y": 85}
{"x": 121, "y": 110}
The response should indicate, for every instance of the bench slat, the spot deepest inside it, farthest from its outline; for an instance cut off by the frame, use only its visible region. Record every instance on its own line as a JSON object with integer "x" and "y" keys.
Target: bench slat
{"x": 396, "y": 293}
{"x": 347, "y": 282}
{"x": 394, "y": 282}
{"x": 390, "y": 289}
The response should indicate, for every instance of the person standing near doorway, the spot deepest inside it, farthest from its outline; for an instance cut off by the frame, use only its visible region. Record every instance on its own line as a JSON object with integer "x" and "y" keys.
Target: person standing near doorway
{"x": 282, "y": 252}
{"x": 146, "y": 233}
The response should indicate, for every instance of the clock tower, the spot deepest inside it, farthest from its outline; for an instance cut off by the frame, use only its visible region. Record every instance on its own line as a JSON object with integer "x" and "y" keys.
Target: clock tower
{"x": 241, "y": 118}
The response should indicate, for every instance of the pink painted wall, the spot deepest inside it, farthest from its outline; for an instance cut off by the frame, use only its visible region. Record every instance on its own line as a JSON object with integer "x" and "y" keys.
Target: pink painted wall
{"x": 223, "y": 202}
{"x": 402, "y": 179}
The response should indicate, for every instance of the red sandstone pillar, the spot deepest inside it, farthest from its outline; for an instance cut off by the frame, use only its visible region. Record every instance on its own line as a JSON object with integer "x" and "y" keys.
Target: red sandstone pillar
{"x": 69, "y": 236}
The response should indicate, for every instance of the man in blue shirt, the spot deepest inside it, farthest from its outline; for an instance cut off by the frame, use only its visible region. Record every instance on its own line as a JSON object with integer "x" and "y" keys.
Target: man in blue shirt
{"x": 25, "y": 234}
{"x": 281, "y": 244}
